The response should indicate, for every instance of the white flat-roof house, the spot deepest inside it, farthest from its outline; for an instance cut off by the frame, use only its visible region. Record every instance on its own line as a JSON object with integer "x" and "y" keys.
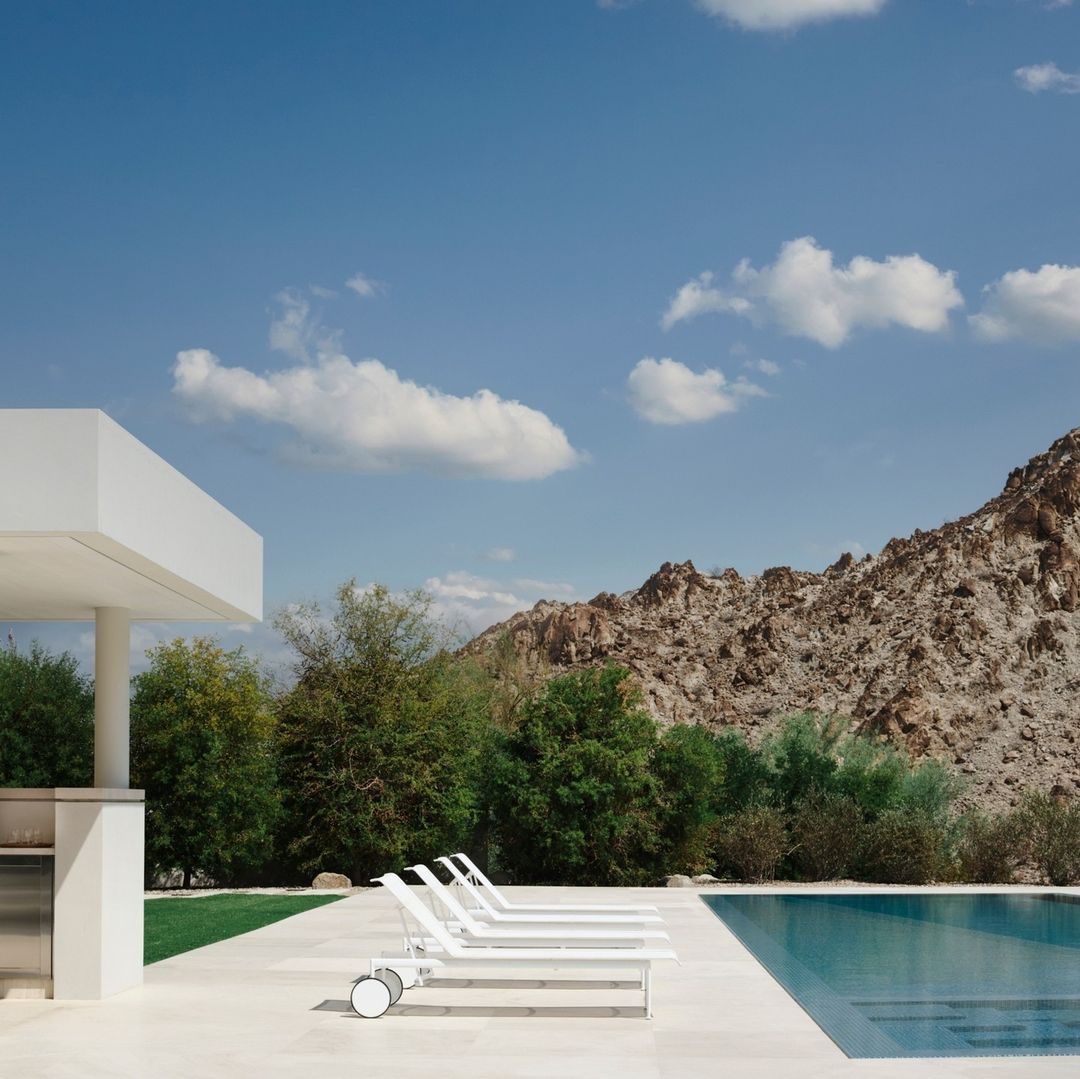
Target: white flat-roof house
{"x": 95, "y": 526}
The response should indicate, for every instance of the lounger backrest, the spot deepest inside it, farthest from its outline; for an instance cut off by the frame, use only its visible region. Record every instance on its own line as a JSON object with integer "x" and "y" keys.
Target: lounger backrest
{"x": 471, "y": 867}
{"x": 446, "y": 897}
{"x": 419, "y": 910}
{"x": 469, "y": 887}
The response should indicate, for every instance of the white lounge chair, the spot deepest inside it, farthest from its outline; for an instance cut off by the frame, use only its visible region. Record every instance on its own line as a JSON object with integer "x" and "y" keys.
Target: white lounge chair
{"x": 478, "y": 878}
{"x": 538, "y": 931}
{"x": 373, "y": 994}
{"x": 555, "y": 915}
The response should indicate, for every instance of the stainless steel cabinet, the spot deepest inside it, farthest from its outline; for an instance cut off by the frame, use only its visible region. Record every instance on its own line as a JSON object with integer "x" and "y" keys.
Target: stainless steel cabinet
{"x": 26, "y": 915}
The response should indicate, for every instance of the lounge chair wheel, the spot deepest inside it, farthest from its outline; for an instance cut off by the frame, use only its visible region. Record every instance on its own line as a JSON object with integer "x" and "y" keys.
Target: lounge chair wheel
{"x": 370, "y": 997}
{"x": 394, "y": 982}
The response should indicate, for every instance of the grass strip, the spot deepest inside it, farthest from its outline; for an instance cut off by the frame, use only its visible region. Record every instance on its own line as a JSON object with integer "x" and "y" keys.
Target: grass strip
{"x": 176, "y": 925}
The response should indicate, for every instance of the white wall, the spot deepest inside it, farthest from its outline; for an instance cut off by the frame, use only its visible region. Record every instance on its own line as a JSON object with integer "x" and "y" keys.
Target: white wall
{"x": 98, "y": 905}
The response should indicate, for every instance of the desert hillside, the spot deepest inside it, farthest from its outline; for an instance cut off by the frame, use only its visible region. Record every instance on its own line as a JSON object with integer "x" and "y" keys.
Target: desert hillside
{"x": 959, "y": 642}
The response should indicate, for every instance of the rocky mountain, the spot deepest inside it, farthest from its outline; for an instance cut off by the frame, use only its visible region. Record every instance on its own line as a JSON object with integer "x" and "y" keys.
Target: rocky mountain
{"x": 961, "y": 642}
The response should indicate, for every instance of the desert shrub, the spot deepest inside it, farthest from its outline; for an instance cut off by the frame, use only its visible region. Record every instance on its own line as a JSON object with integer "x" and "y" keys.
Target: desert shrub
{"x": 574, "y": 796}
{"x": 928, "y": 788}
{"x": 871, "y": 772}
{"x": 904, "y": 846}
{"x": 1049, "y": 830}
{"x": 826, "y": 833}
{"x": 752, "y": 842}
{"x": 987, "y": 849}
{"x": 689, "y": 766}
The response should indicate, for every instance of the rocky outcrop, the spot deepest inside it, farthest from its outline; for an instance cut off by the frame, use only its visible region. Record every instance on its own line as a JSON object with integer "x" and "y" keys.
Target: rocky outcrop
{"x": 960, "y": 642}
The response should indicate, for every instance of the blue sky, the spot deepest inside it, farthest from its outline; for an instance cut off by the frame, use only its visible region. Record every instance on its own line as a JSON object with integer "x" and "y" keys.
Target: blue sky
{"x": 524, "y": 197}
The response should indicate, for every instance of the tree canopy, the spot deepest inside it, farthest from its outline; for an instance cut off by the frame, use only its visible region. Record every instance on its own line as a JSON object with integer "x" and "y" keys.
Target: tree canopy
{"x": 383, "y": 736}
{"x": 46, "y": 720}
{"x": 202, "y": 746}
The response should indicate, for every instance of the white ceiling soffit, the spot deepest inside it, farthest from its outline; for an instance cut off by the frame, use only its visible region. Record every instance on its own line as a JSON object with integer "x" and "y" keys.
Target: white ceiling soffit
{"x": 57, "y": 577}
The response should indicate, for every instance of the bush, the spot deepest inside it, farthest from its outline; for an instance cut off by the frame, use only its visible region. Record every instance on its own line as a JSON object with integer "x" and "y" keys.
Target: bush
{"x": 753, "y": 842}
{"x": 574, "y": 797}
{"x": 46, "y": 720}
{"x": 987, "y": 849}
{"x": 871, "y": 773}
{"x": 929, "y": 788}
{"x": 905, "y": 846}
{"x": 1050, "y": 831}
{"x": 826, "y": 832}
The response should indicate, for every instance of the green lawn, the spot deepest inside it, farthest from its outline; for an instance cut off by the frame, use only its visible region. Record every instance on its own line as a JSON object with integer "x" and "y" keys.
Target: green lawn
{"x": 173, "y": 926}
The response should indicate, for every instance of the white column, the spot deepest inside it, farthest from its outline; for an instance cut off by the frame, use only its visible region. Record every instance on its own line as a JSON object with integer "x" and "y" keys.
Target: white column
{"x": 112, "y": 697}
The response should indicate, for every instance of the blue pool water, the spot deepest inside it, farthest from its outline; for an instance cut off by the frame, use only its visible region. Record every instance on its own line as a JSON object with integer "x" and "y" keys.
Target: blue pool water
{"x": 923, "y": 975}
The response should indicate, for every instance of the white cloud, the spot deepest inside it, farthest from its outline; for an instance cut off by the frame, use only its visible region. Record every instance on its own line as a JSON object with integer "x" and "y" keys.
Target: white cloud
{"x": 805, "y": 295}
{"x": 470, "y": 603}
{"x": 295, "y": 332}
{"x": 786, "y": 14}
{"x": 365, "y": 287}
{"x": 699, "y": 297}
{"x": 764, "y": 367}
{"x": 291, "y": 330}
{"x": 322, "y": 292}
{"x": 1041, "y": 305}
{"x": 1039, "y": 77}
{"x": 500, "y": 554}
{"x": 364, "y": 417}
{"x": 668, "y": 392}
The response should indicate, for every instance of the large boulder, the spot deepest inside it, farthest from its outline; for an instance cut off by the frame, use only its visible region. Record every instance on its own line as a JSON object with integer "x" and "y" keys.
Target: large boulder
{"x": 331, "y": 880}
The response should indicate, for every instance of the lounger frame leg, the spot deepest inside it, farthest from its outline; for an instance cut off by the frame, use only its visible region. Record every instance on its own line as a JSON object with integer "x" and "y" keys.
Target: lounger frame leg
{"x": 408, "y": 942}
{"x": 646, "y": 975}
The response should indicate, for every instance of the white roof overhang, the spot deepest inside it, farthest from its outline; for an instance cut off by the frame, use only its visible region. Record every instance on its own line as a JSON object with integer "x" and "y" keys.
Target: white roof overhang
{"x": 90, "y": 517}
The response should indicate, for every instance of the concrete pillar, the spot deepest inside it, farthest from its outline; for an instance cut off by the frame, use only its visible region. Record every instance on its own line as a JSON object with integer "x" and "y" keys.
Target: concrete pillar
{"x": 112, "y": 697}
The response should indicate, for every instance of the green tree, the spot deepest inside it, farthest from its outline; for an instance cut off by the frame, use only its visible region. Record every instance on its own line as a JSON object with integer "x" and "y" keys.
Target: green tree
{"x": 689, "y": 764}
{"x": 575, "y": 799}
{"x": 748, "y": 776}
{"x": 46, "y": 720}
{"x": 803, "y": 756}
{"x": 202, "y": 746}
{"x": 384, "y": 737}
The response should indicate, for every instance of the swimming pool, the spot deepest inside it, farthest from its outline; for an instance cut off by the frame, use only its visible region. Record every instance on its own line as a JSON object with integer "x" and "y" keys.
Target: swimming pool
{"x": 921, "y": 974}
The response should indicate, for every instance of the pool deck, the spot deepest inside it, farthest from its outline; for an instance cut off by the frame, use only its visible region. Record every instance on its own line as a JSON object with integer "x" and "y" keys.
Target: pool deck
{"x": 274, "y": 1003}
